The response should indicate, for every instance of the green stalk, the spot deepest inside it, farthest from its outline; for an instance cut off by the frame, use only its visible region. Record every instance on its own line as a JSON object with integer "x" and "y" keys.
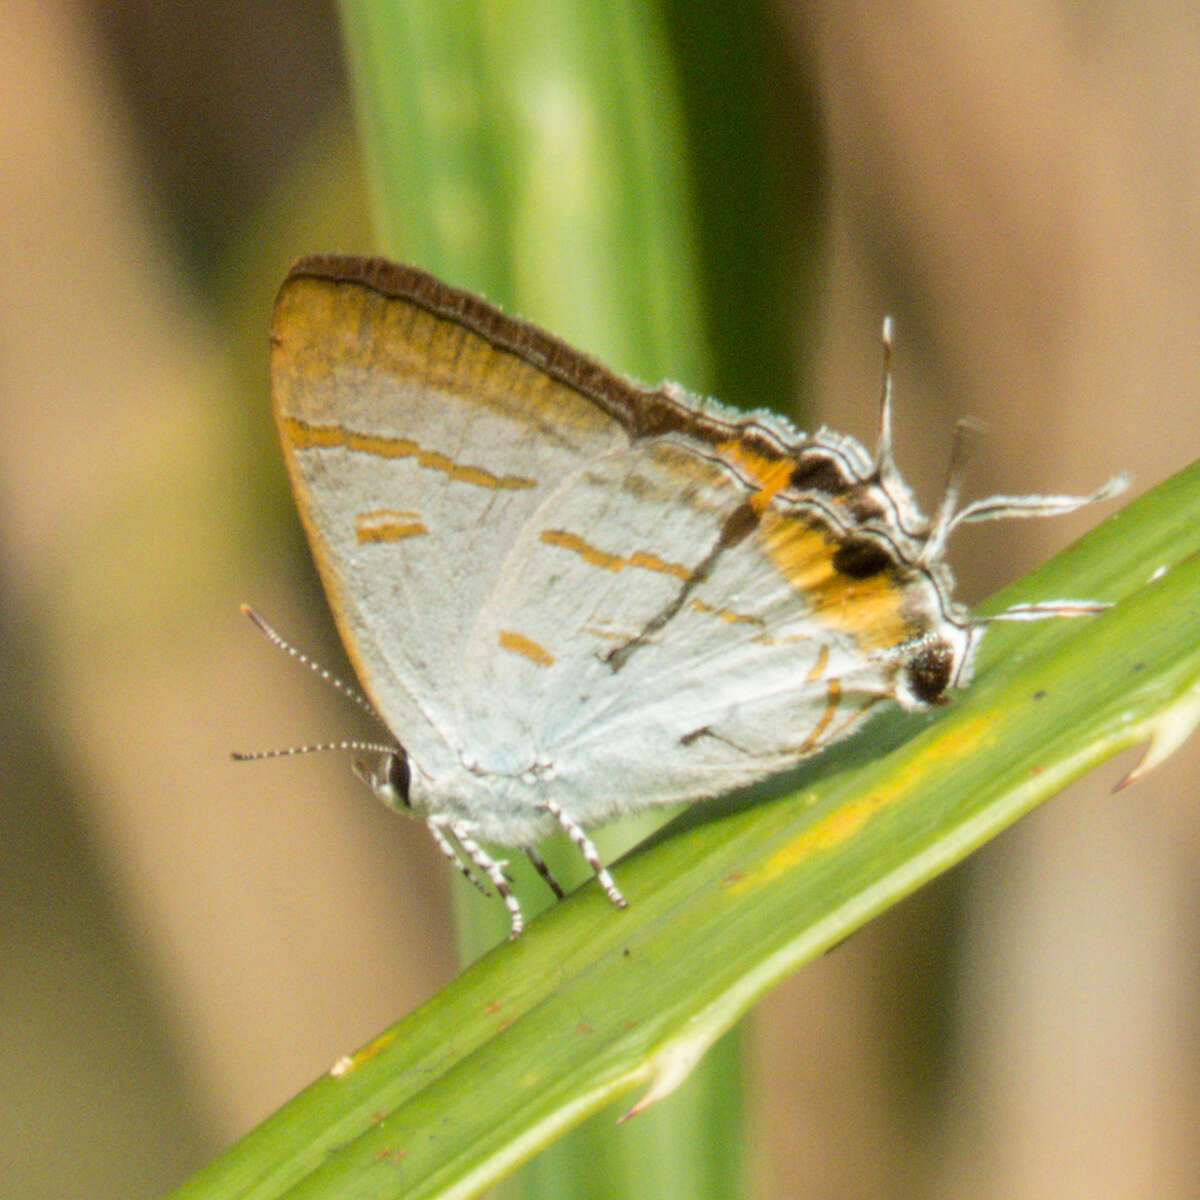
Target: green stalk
{"x": 589, "y": 1006}
{"x": 535, "y": 153}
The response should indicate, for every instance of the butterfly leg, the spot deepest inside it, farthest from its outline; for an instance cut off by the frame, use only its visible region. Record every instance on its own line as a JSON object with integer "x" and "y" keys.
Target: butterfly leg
{"x": 544, "y": 871}
{"x": 447, "y": 847}
{"x": 588, "y": 850}
{"x": 494, "y": 870}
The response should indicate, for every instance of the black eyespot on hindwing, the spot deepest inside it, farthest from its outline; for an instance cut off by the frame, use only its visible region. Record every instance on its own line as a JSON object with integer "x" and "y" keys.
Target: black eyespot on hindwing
{"x": 816, "y": 473}
{"x": 929, "y": 672}
{"x": 860, "y": 558}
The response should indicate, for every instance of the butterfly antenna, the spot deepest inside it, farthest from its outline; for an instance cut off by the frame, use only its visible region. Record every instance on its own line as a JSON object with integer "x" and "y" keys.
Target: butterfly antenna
{"x": 351, "y": 694}
{"x": 885, "y": 462}
{"x": 312, "y": 748}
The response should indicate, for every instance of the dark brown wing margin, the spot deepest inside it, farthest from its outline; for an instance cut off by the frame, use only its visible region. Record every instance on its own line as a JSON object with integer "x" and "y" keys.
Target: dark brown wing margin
{"x": 644, "y": 412}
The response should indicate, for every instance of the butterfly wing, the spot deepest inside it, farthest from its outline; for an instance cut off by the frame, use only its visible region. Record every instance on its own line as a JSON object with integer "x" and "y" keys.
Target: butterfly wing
{"x": 421, "y": 429}
{"x": 676, "y": 620}
{"x": 544, "y": 572}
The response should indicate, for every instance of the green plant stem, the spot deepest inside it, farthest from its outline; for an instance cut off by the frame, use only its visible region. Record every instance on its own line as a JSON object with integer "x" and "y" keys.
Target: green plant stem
{"x": 590, "y": 1004}
{"x": 535, "y": 153}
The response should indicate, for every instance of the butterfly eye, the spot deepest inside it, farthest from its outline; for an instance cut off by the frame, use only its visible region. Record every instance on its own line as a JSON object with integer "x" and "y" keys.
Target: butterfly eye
{"x": 390, "y": 781}
{"x": 398, "y": 776}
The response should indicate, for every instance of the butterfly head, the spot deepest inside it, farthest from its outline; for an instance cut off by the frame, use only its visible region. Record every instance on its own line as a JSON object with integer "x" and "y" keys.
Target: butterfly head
{"x": 389, "y": 777}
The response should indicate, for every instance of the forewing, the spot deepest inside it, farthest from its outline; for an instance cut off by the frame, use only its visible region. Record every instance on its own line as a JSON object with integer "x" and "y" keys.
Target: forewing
{"x": 419, "y": 442}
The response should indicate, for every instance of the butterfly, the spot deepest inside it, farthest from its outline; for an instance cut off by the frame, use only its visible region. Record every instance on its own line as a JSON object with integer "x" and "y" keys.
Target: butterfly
{"x": 568, "y": 596}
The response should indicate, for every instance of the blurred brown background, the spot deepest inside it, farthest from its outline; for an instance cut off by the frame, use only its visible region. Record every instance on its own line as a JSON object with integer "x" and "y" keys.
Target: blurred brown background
{"x": 187, "y": 942}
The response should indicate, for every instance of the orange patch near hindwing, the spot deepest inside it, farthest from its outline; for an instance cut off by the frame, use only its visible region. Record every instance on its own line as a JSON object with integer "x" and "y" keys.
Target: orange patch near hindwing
{"x": 304, "y": 435}
{"x": 871, "y": 610}
{"x": 768, "y": 475}
{"x": 518, "y": 643}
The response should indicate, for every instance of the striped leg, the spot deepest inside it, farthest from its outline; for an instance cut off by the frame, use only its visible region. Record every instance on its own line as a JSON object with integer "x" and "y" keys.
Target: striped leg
{"x": 544, "y": 871}
{"x": 447, "y": 847}
{"x": 588, "y": 850}
{"x": 494, "y": 870}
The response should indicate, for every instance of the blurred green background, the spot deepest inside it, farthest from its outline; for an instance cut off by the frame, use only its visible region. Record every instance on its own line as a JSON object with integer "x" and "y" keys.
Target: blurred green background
{"x": 186, "y": 942}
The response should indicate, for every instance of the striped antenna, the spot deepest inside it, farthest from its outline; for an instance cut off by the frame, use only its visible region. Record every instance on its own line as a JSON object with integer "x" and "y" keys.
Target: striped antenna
{"x": 351, "y": 694}
{"x": 311, "y": 748}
